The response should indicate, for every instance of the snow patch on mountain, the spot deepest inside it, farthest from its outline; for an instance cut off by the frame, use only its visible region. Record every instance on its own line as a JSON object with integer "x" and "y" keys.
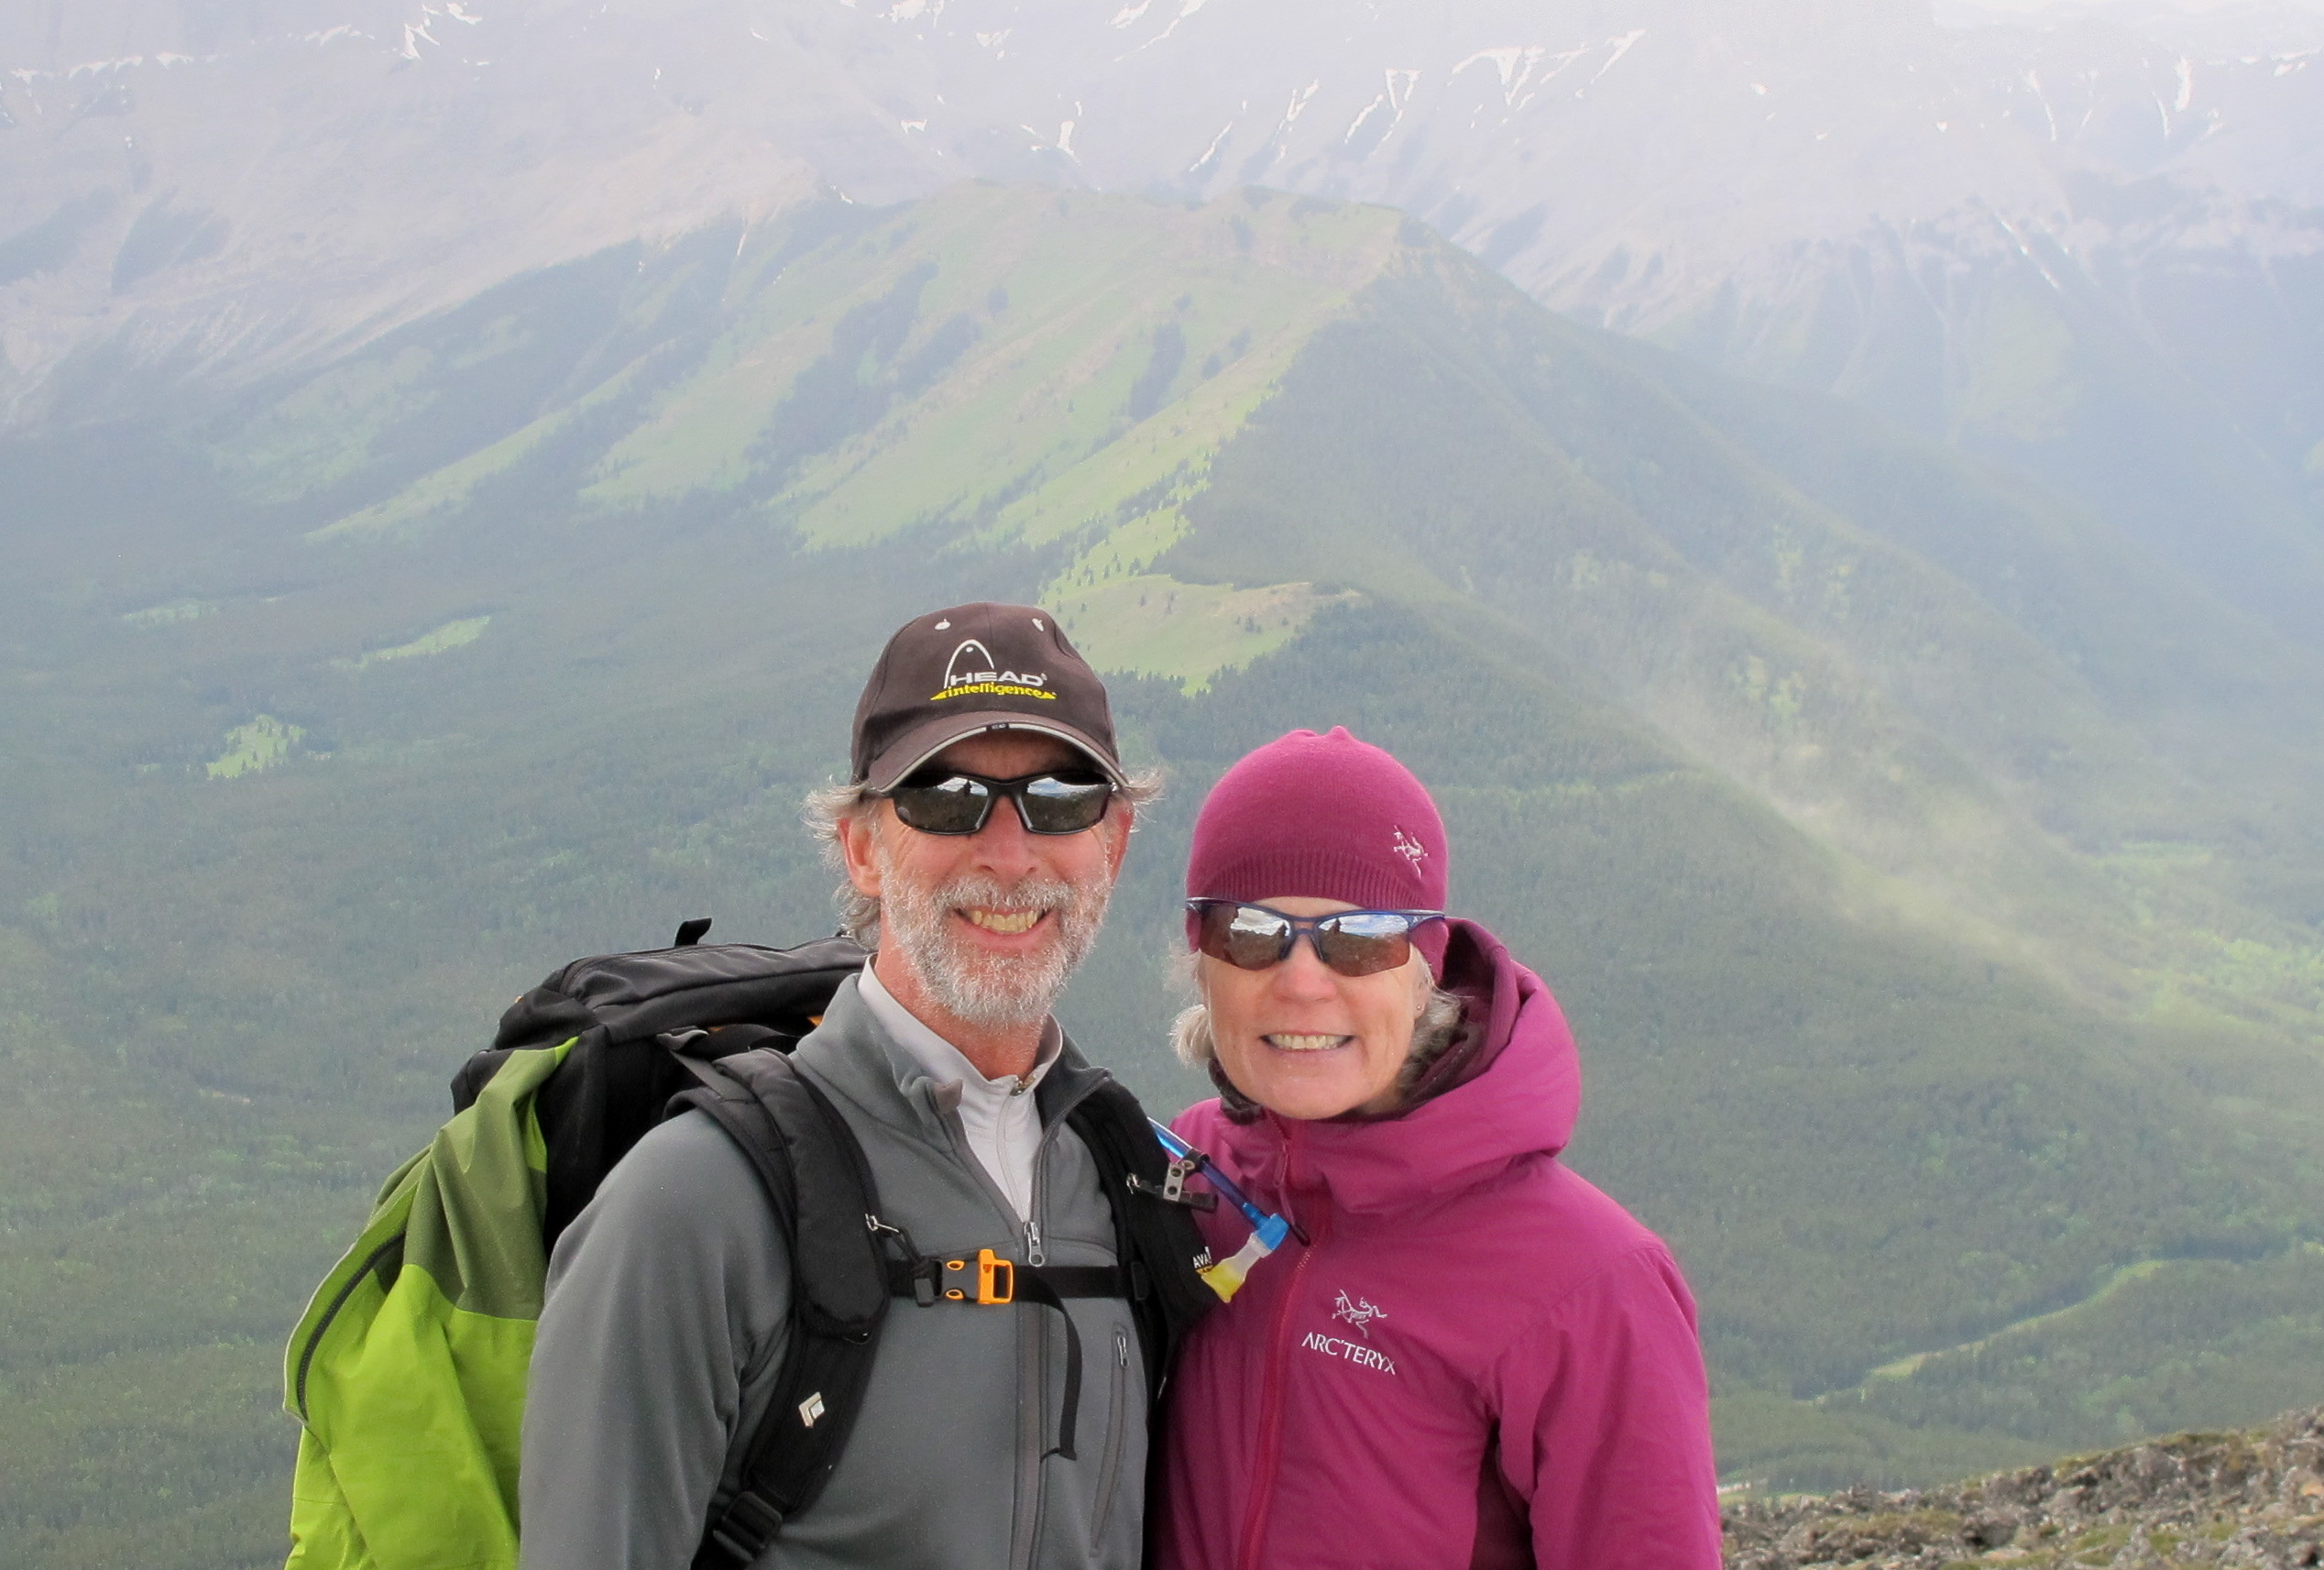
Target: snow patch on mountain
{"x": 1621, "y": 47}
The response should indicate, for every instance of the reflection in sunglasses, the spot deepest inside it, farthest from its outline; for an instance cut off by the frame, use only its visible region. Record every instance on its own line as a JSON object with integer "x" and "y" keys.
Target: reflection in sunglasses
{"x": 1351, "y": 942}
{"x": 962, "y": 803}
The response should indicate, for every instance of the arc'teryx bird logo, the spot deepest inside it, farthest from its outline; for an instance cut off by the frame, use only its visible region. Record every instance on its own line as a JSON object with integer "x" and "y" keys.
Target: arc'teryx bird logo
{"x": 972, "y": 670}
{"x": 1359, "y": 1312}
{"x": 1409, "y": 847}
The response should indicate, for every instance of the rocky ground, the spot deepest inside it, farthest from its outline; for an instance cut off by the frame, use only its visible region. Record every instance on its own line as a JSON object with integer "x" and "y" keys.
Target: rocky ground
{"x": 2252, "y": 1498}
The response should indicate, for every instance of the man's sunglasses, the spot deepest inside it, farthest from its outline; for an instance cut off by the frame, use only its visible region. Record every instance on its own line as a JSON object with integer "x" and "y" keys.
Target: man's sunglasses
{"x": 949, "y": 802}
{"x": 1352, "y": 943}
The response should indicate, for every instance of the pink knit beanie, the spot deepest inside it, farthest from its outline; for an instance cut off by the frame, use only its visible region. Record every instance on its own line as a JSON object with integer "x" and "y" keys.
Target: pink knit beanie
{"x": 1324, "y": 817}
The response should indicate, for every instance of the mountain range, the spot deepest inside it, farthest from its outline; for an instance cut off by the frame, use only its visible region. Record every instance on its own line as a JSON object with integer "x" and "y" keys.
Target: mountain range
{"x": 1921, "y": 862}
{"x": 2090, "y": 246}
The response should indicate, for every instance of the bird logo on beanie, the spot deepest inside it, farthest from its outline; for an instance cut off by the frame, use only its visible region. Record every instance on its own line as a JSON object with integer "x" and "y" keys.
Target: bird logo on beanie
{"x": 1409, "y": 847}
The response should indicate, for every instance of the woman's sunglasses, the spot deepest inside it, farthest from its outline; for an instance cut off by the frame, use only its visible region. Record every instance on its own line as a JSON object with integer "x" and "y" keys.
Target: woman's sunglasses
{"x": 1352, "y": 943}
{"x": 955, "y": 803}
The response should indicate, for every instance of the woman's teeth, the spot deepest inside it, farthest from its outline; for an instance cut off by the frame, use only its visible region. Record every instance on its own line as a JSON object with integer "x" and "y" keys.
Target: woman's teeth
{"x": 1283, "y": 1041}
{"x": 1004, "y": 920}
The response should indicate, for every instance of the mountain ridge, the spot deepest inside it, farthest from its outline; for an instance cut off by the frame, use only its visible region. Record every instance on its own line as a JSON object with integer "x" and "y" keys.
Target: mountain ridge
{"x": 2087, "y": 250}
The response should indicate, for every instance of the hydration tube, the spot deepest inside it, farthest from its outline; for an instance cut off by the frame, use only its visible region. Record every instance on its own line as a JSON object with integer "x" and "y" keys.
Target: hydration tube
{"x": 1227, "y": 1276}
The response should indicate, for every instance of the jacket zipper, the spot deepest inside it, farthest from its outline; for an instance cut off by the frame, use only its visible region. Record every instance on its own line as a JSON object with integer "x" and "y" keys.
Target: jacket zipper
{"x": 1268, "y": 1462}
{"x": 1037, "y": 1257}
{"x": 1034, "y": 1255}
{"x": 1118, "y": 1421}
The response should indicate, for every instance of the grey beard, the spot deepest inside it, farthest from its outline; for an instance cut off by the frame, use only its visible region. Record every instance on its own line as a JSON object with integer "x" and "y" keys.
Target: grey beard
{"x": 990, "y": 991}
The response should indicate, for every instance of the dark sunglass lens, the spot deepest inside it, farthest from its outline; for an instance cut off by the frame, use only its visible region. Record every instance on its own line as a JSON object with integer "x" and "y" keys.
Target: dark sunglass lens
{"x": 1211, "y": 924}
{"x": 1364, "y": 942}
{"x": 1054, "y": 805}
{"x": 1250, "y": 938}
{"x": 951, "y": 806}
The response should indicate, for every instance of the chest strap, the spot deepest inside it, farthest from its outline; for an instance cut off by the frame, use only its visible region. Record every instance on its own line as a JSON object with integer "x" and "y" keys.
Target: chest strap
{"x": 985, "y": 1280}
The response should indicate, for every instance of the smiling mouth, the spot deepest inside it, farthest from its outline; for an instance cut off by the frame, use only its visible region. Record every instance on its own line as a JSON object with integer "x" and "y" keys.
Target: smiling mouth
{"x": 1287, "y": 1041}
{"x": 1006, "y": 922}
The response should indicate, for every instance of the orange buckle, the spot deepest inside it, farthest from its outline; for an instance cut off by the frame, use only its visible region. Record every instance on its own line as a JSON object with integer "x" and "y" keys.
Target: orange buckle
{"x": 995, "y": 1279}
{"x": 989, "y": 1265}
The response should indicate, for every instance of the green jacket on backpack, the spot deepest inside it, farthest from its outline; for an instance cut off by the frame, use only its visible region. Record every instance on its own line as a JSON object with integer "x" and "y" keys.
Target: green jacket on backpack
{"x": 407, "y": 1373}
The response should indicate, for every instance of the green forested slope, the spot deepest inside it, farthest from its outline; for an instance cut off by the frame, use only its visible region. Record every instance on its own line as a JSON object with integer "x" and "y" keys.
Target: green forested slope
{"x": 1913, "y": 857}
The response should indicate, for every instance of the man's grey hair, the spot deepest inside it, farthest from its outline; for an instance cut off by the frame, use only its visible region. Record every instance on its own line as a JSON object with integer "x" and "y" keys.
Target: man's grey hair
{"x": 1435, "y": 1031}
{"x": 827, "y": 806}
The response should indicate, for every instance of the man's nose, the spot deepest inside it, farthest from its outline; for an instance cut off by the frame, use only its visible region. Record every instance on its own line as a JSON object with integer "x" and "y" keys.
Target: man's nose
{"x": 1003, "y": 844}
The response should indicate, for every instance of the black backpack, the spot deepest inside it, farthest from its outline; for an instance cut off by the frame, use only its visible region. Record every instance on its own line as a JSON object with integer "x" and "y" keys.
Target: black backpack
{"x": 708, "y": 1027}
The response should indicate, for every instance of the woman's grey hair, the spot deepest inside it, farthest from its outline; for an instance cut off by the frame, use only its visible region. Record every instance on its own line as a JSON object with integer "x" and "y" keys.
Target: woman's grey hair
{"x": 830, "y": 805}
{"x": 1437, "y": 1028}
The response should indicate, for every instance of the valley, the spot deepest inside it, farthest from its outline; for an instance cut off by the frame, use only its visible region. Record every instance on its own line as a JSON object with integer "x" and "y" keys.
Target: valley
{"x": 1922, "y": 864}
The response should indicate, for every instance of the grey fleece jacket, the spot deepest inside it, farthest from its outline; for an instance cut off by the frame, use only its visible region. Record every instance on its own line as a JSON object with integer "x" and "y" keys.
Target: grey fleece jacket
{"x": 665, "y": 1323}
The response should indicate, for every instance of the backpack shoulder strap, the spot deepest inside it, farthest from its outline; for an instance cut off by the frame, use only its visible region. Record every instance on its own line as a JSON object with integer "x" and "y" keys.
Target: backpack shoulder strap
{"x": 1158, "y": 1244}
{"x": 825, "y": 1202}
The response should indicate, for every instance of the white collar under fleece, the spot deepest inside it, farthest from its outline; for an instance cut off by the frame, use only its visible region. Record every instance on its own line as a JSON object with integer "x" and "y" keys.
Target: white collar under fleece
{"x": 1003, "y": 1124}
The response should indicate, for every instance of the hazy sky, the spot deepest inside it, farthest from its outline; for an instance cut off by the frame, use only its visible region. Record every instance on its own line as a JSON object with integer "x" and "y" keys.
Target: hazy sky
{"x": 2316, "y": 6}
{"x": 2264, "y": 17}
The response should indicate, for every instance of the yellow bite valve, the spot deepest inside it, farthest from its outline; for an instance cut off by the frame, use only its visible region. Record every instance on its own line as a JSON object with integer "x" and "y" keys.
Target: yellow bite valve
{"x": 1226, "y": 1277}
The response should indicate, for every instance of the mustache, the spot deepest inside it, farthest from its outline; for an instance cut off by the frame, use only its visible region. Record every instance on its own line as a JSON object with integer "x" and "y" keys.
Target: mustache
{"x": 1036, "y": 891}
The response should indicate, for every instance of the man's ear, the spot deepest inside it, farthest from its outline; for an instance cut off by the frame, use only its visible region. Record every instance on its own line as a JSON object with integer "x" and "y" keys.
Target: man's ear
{"x": 860, "y": 849}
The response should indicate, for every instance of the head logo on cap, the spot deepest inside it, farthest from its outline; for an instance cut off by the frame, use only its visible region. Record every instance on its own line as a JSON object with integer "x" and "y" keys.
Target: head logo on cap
{"x": 972, "y": 672}
{"x": 971, "y": 658}
{"x": 1409, "y": 847}
{"x": 1013, "y": 667}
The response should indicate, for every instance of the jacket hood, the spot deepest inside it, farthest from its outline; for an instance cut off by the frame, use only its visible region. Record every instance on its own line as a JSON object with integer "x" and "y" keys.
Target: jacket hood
{"x": 1507, "y": 1089}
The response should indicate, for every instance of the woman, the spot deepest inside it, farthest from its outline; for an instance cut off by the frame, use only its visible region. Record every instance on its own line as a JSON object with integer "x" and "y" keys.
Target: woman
{"x": 1473, "y": 1357}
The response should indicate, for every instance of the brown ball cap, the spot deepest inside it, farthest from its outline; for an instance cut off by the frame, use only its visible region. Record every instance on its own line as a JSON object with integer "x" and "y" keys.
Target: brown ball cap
{"x": 978, "y": 667}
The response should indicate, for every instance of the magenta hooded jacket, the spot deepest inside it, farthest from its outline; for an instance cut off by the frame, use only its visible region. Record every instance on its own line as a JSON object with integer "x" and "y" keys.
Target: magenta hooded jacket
{"x": 1477, "y": 1359}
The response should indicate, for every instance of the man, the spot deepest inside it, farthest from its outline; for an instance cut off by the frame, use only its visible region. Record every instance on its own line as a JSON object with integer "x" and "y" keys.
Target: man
{"x": 984, "y": 824}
